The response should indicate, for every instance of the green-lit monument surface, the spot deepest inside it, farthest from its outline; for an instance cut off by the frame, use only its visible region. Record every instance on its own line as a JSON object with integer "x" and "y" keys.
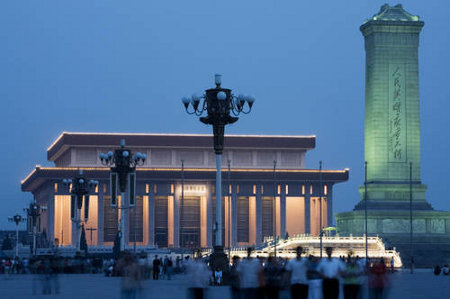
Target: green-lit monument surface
{"x": 392, "y": 144}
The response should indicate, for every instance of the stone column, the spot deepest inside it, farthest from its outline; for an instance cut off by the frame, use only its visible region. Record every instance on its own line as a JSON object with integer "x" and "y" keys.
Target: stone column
{"x": 151, "y": 216}
{"x": 51, "y": 216}
{"x": 258, "y": 216}
{"x": 176, "y": 219}
{"x": 209, "y": 230}
{"x": 100, "y": 216}
{"x": 329, "y": 198}
{"x": 234, "y": 216}
{"x": 307, "y": 211}
{"x": 283, "y": 210}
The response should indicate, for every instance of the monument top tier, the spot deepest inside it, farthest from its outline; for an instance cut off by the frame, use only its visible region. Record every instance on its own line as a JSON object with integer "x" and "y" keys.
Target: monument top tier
{"x": 393, "y": 15}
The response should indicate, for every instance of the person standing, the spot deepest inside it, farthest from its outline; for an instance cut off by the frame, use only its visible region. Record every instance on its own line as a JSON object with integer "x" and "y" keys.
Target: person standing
{"x": 378, "y": 281}
{"x": 169, "y": 268}
{"x": 330, "y": 270}
{"x": 198, "y": 278}
{"x": 352, "y": 278}
{"x": 297, "y": 269}
{"x": 234, "y": 278}
{"x": 273, "y": 275}
{"x": 156, "y": 267}
{"x": 251, "y": 273}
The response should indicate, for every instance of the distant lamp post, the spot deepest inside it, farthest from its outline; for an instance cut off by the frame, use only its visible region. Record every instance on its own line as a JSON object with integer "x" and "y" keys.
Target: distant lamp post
{"x": 322, "y": 232}
{"x": 34, "y": 212}
{"x": 17, "y": 219}
{"x": 79, "y": 188}
{"x": 365, "y": 213}
{"x": 221, "y": 108}
{"x": 123, "y": 171}
{"x": 320, "y": 207}
{"x": 411, "y": 218}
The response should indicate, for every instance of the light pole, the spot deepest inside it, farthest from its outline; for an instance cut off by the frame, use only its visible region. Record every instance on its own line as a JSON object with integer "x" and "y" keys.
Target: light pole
{"x": 34, "y": 212}
{"x": 79, "y": 189}
{"x": 219, "y": 104}
{"x": 275, "y": 207}
{"x": 17, "y": 219}
{"x": 365, "y": 211}
{"x": 320, "y": 207}
{"x": 182, "y": 204}
{"x": 229, "y": 208}
{"x": 123, "y": 170}
{"x": 321, "y": 242}
{"x": 411, "y": 218}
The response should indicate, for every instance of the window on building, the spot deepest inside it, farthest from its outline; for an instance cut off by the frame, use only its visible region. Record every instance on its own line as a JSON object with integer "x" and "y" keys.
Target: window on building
{"x": 325, "y": 189}
{"x": 56, "y": 187}
{"x": 310, "y": 189}
{"x": 172, "y": 189}
{"x": 147, "y": 188}
{"x": 155, "y": 189}
{"x": 254, "y": 189}
{"x": 287, "y": 189}
{"x": 278, "y": 189}
{"x": 262, "y": 189}
{"x": 303, "y": 189}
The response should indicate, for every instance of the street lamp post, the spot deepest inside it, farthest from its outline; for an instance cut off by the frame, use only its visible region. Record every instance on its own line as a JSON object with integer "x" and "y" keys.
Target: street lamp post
{"x": 411, "y": 218}
{"x": 17, "y": 219}
{"x": 34, "y": 212}
{"x": 123, "y": 167}
{"x": 365, "y": 212}
{"x": 320, "y": 207}
{"x": 220, "y": 105}
{"x": 79, "y": 189}
{"x": 274, "y": 208}
{"x": 182, "y": 204}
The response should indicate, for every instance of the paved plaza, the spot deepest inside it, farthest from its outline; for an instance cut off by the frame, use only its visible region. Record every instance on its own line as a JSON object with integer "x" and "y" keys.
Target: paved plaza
{"x": 422, "y": 284}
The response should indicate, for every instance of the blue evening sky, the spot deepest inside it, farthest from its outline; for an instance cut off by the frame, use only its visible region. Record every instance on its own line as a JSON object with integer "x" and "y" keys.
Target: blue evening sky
{"x": 123, "y": 66}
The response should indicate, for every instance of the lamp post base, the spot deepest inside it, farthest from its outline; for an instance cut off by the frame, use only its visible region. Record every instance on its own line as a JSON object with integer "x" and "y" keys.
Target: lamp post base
{"x": 218, "y": 259}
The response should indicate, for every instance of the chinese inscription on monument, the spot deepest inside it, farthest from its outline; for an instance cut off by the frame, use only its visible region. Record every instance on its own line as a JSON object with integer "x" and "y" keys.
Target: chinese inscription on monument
{"x": 397, "y": 113}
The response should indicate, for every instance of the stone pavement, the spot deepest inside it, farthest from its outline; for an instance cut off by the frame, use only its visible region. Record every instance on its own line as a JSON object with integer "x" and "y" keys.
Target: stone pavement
{"x": 421, "y": 284}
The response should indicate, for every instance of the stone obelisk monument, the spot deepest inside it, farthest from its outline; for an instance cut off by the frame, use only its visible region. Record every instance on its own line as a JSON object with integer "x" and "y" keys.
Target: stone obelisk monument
{"x": 392, "y": 140}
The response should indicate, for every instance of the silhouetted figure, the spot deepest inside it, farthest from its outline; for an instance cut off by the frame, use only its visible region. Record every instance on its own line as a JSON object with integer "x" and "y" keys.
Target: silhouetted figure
{"x": 156, "y": 267}
{"x": 234, "y": 279}
{"x": 352, "y": 278}
{"x": 198, "y": 275}
{"x": 378, "y": 280}
{"x": 273, "y": 275}
{"x": 251, "y": 274}
{"x": 131, "y": 277}
{"x": 330, "y": 270}
{"x": 314, "y": 278}
{"x": 445, "y": 270}
{"x": 297, "y": 269}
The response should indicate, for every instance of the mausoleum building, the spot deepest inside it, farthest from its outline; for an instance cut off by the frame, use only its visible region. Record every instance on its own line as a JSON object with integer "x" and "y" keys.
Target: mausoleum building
{"x": 266, "y": 189}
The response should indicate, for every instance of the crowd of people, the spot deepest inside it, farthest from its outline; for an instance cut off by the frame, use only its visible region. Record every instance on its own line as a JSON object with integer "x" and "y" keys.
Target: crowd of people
{"x": 313, "y": 278}
{"x": 248, "y": 278}
{"x": 65, "y": 265}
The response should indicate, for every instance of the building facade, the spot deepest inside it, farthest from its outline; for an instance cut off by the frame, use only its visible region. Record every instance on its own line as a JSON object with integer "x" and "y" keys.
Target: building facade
{"x": 266, "y": 189}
